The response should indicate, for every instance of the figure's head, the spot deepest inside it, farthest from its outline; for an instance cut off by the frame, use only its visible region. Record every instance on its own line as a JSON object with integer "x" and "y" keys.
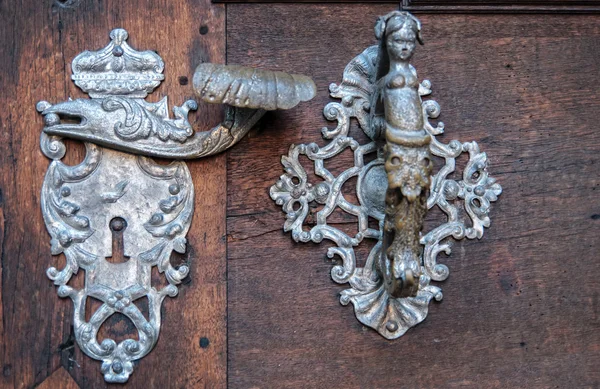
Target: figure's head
{"x": 398, "y": 32}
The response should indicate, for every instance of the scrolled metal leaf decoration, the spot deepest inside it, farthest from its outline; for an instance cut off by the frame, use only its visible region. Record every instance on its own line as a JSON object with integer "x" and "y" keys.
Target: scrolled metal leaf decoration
{"x": 118, "y": 194}
{"x": 392, "y": 291}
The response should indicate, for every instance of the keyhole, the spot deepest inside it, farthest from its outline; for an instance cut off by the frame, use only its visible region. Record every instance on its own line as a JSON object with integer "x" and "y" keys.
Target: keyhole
{"x": 118, "y": 226}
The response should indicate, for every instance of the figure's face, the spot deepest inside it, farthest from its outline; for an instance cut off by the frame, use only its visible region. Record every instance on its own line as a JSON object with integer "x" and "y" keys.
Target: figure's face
{"x": 401, "y": 44}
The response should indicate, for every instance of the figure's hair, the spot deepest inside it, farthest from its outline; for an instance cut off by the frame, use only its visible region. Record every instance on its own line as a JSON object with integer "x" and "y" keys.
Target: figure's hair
{"x": 388, "y": 24}
{"x": 394, "y": 21}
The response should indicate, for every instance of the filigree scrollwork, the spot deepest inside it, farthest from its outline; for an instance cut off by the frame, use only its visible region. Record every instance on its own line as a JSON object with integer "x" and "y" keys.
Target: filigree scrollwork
{"x": 373, "y": 304}
{"x": 115, "y": 196}
{"x": 143, "y": 119}
{"x": 85, "y": 241}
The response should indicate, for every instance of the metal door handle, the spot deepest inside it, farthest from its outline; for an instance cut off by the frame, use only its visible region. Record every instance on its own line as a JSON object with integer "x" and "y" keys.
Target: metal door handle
{"x": 85, "y": 207}
{"x": 380, "y": 89}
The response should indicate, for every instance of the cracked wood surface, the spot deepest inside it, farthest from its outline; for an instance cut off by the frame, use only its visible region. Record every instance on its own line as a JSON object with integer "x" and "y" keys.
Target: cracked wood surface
{"x": 38, "y": 40}
{"x": 520, "y": 307}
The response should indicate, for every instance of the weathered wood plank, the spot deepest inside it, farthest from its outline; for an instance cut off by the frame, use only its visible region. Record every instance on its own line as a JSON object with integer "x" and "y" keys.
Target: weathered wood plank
{"x": 502, "y": 6}
{"x": 60, "y": 379}
{"x": 520, "y": 308}
{"x": 38, "y": 41}
{"x": 468, "y": 6}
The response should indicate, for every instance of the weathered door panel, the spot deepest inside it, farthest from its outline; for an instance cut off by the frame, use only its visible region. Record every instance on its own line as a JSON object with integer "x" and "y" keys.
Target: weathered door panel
{"x": 520, "y": 307}
{"x": 38, "y": 41}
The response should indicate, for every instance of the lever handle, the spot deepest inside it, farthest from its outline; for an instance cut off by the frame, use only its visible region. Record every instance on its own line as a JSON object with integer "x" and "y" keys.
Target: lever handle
{"x": 118, "y": 186}
{"x": 118, "y": 116}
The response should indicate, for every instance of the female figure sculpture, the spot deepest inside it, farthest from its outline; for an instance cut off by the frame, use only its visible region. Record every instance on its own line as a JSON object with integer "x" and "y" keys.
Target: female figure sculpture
{"x": 406, "y": 154}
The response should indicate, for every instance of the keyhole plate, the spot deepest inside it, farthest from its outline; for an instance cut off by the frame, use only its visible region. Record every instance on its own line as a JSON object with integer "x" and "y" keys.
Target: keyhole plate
{"x": 115, "y": 215}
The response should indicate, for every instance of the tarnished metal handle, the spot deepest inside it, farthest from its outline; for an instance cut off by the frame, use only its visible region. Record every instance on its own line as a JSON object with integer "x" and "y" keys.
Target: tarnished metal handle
{"x": 406, "y": 155}
{"x": 408, "y": 168}
{"x": 123, "y": 120}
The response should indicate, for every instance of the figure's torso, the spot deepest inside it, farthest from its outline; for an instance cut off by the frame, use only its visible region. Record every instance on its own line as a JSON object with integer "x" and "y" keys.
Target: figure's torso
{"x": 402, "y": 103}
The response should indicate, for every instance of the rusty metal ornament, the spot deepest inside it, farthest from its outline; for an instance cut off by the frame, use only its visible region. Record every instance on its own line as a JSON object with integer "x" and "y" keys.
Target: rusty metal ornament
{"x": 119, "y": 196}
{"x": 380, "y": 89}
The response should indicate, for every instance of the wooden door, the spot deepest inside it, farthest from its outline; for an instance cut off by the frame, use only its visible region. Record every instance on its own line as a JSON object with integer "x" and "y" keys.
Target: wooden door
{"x": 39, "y": 41}
{"x": 521, "y": 306}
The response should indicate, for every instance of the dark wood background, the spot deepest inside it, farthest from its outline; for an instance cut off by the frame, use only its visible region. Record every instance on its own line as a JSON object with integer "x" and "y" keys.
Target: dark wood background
{"x": 521, "y": 307}
{"x": 38, "y": 40}
{"x": 467, "y": 6}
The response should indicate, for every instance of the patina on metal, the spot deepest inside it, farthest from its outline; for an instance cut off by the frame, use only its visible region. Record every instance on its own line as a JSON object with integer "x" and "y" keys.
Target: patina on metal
{"x": 406, "y": 155}
{"x": 118, "y": 194}
{"x": 118, "y": 79}
{"x": 380, "y": 89}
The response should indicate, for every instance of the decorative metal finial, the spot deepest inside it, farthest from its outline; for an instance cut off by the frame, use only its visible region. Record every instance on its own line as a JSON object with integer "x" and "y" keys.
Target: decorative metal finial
{"x": 117, "y": 69}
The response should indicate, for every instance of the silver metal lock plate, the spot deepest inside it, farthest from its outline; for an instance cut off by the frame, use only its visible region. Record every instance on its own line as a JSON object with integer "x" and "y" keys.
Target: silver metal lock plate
{"x": 118, "y": 199}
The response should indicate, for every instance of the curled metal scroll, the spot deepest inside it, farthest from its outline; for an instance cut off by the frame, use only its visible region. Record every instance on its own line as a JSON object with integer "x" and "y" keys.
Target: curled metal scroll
{"x": 389, "y": 303}
{"x": 118, "y": 198}
{"x": 118, "y": 78}
{"x": 83, "y": 207}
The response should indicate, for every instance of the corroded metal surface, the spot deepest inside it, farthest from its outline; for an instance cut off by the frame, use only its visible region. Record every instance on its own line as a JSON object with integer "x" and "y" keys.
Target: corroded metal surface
{"x": 82, "y": 207}
{"x": 406, "y": 154}
{"x": 114, "y": 197}
{"x": 380, "y": 90}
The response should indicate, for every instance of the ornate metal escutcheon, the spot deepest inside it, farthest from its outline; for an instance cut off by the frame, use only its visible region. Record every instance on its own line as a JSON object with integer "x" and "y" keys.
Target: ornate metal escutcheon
{"x": 380, "y": 89}
{"x": 120, "y": 201}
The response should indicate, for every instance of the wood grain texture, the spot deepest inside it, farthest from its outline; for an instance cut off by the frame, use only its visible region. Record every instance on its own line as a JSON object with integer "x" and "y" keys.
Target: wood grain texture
{"x": 60, "y": 379}
{"x": 306, "y": 1}
{"x": 38, "y": 40}
{"x": 502, "y": 6}
{"x": 521, "y": 307}
{"x": 467, "y": 6}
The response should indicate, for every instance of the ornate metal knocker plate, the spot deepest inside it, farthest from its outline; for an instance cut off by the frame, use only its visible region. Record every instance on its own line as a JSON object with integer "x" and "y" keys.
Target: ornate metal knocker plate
{"x": 379, "y": 88}
{"x": 118, "y": 196}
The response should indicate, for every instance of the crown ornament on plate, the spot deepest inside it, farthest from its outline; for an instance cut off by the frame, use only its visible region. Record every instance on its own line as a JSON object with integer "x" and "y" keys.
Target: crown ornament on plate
{"x": 118, "y": 70}
{"x": 118, "y": 78}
